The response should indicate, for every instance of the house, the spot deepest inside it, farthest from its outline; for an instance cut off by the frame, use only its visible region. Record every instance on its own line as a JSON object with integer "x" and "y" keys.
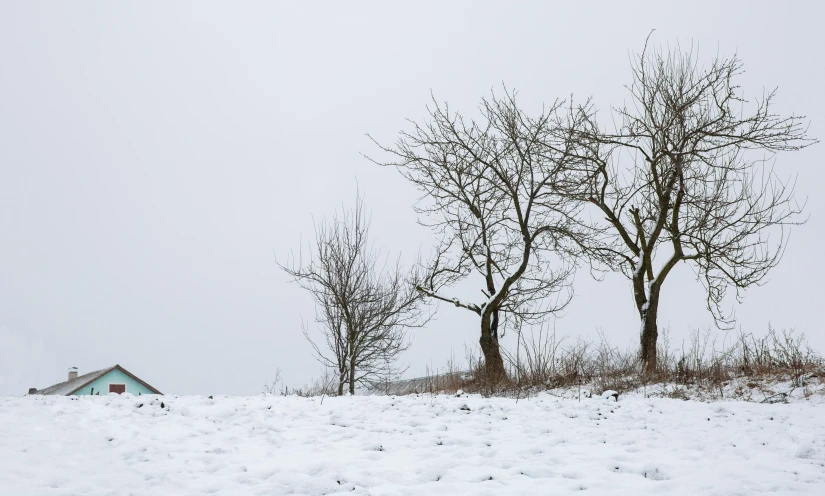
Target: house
{"x": 114, "y": 379}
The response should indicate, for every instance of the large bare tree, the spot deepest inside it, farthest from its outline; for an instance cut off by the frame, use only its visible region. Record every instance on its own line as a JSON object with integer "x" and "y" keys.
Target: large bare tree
{"x": 490, "y": 192}
{"x": 365, "y": 305}
{"x": 686, "y": 175}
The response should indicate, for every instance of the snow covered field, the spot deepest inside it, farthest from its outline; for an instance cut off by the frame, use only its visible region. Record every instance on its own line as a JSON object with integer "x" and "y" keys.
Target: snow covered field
{"x": 407, "y": 445}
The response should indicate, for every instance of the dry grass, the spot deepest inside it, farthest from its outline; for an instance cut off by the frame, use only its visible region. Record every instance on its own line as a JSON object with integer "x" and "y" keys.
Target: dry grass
{"x": 706, "y": 365}
{"x": 703, "y": 364}
{"x": 326, "y": 385}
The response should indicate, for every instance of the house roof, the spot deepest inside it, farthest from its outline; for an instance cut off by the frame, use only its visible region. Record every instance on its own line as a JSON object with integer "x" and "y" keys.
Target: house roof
{"x": 70, "y": 387}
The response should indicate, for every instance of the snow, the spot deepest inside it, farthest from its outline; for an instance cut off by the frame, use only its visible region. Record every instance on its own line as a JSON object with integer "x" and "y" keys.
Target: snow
{"x": 412, "y": 445}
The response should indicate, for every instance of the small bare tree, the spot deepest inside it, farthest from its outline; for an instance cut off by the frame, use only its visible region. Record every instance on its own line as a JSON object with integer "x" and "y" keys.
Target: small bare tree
{"x": 678, "y": 181}
{"x": 364, "y": 305}
{"x": 490, "y": 191}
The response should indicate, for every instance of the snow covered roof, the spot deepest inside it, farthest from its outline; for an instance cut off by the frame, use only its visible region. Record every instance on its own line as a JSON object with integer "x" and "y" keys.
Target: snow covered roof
{"x": 69, "y": 387}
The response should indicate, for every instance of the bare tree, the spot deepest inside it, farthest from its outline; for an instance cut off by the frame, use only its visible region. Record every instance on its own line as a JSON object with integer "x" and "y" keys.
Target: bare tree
{"x": 364, "y": 305}
{"x": 490, "y": 191}
{"x": 685, "y": 176}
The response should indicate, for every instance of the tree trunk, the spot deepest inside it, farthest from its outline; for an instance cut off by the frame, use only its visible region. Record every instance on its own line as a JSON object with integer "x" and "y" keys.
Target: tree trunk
{"x": 352, "y": 377}
{"x": 342, "y": 378}
{"x": 649, "y": 331}
{"x": 493, "y": 362}
{"x": 351, "y": 355}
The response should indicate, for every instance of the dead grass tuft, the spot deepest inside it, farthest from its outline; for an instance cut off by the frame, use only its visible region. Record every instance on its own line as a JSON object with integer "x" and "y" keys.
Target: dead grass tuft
{"x": 703, "y": 365}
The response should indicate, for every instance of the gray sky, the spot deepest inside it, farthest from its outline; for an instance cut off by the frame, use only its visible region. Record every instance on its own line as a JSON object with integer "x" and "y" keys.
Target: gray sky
{"x": 155, "y": 157}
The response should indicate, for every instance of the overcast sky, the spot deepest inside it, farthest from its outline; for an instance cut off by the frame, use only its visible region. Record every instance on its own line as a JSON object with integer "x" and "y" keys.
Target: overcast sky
{"x": 156, "y": 157}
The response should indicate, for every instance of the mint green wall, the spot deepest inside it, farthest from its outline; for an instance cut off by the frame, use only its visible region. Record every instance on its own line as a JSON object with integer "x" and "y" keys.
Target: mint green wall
{"x": 101, "y": 385}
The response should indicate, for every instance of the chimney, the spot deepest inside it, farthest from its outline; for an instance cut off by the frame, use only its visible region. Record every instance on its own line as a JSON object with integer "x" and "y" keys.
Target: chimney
{"x": 32, "y": 390}
{"x": 72, "y": 373}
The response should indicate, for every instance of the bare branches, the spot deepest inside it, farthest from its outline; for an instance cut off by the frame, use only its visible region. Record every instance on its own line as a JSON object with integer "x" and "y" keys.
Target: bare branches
{"x": 364, "y": 305}
{"x": 685, "y": 177}
{"x": 492, "y": 189}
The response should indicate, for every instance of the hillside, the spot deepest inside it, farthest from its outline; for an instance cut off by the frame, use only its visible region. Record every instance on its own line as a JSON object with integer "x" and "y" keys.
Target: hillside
{"x": 412, "y": 445}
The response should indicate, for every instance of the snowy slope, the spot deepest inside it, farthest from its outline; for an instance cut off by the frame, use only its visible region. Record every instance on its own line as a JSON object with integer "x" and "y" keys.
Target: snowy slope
{"x": 407, "y": 445}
